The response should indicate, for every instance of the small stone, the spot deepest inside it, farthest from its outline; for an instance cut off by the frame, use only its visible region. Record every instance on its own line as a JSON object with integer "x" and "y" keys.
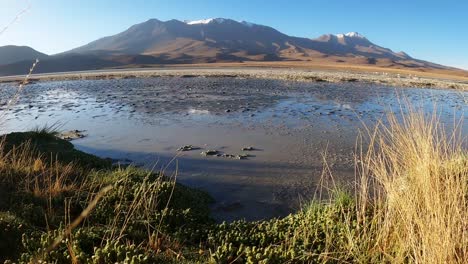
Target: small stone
{"x": 242, "y": 156}
{"x": 186, "y": 148}
{"x": 72, "y": 135}
{"x": 228, "y": 110}
{"x": 210, "y": 152}
{"x": 247, "y": 148}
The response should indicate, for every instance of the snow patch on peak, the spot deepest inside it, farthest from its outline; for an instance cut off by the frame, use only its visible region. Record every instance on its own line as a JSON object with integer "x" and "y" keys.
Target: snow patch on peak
{"x": 204, "y": 21}
{"x": 351, "y": 35}
{"x": 216, "y": 20}
{"x": 354, "y": 35}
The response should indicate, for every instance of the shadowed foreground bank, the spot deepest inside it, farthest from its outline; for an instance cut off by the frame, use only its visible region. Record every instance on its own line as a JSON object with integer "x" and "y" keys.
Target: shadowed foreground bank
{"x": 61, "y": 205}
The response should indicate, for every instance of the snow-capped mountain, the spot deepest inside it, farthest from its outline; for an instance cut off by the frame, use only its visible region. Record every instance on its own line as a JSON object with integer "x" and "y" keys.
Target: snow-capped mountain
{"x": 204, "y": 21}
{"x": 223, "y": 40}
{"x": 351, "y": 35}
{"x": 202, "y": 40}
{"x": 216, "y": 20}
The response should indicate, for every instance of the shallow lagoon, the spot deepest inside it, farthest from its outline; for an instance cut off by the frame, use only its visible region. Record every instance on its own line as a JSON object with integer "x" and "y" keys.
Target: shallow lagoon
{"x": 289, "y": 124}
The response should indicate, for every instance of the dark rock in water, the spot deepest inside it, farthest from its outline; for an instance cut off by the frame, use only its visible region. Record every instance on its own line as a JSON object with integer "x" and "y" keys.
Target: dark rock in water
{"x": 228, "y": 110}
{"x": 228, "y": 156}
{"x": 72, "y": 135}
{"x": 242, "y": 156}
{"x": 248, "y": 148}
{"x": 210, "y": 152}
{"x": 187, "y": 148}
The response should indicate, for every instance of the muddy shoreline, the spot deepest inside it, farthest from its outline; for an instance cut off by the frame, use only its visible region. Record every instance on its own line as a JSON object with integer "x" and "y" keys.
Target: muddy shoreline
{"x": 298, "y": 75}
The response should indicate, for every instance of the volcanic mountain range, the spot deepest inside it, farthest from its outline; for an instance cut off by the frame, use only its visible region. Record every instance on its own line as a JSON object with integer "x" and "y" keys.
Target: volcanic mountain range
{"x": 156, "y": 42}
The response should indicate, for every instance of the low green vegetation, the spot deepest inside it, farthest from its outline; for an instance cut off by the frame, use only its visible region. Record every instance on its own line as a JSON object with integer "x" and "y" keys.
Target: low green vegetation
{"x": 144, "y": 218}
{"x": 49, "y": 147}
{"x": 60, "y": 205}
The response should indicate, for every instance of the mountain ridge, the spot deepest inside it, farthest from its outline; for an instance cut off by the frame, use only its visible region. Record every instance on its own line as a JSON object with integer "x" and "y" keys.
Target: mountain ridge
{"x": 12, "y": 53}
{"x": 217, "y": 40}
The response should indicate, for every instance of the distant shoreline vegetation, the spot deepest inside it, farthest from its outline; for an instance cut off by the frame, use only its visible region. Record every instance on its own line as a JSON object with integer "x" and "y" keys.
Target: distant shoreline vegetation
{"x": 394, "y": 78}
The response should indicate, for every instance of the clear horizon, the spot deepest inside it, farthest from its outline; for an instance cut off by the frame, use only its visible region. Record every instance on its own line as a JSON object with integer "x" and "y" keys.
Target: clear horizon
{"x": 427, "y": 30}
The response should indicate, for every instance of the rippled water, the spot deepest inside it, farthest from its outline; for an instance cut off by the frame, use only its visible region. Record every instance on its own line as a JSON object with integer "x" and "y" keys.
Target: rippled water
{"x": 289, "y": 125}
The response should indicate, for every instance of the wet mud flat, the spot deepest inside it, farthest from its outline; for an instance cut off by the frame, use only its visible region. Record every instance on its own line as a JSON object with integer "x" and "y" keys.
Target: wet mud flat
{"x": 280, "y": 128}
{"x": 409, "y": 79}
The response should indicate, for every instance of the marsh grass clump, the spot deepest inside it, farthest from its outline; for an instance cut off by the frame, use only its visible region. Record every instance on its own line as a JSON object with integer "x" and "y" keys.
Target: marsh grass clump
{"x": 411, "y": 197}
{"x": 47, "y": 130}
{"x": 44, "y": 142}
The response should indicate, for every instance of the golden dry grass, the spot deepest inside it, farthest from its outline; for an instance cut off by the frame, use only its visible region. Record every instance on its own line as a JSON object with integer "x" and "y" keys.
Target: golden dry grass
{"x": 455, "y": 74}
{"x": 412, "y": 194}
{"x": 30, "y": 172}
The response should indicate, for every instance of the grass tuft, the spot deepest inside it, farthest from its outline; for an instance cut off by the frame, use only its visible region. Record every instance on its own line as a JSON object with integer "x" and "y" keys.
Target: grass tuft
{"x": 412, "y": 193}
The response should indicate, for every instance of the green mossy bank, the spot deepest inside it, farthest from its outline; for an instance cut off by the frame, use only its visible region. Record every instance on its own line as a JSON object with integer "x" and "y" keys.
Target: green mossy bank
{"x": 45, "y": 184}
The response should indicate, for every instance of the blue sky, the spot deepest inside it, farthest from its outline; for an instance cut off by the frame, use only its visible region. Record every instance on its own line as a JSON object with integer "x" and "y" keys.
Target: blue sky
{"x": 432, "y": 30}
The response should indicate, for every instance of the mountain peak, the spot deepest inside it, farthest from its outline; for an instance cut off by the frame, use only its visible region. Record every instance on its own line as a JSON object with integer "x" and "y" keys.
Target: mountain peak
{"x": 351, "y": 35}
{"x": 226, "y": 40}
{"x": 218, "y": 20}
{"x": 249, "y": 24}
{"x": 11, "y": 53}
{"x": 205, "y": 21}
